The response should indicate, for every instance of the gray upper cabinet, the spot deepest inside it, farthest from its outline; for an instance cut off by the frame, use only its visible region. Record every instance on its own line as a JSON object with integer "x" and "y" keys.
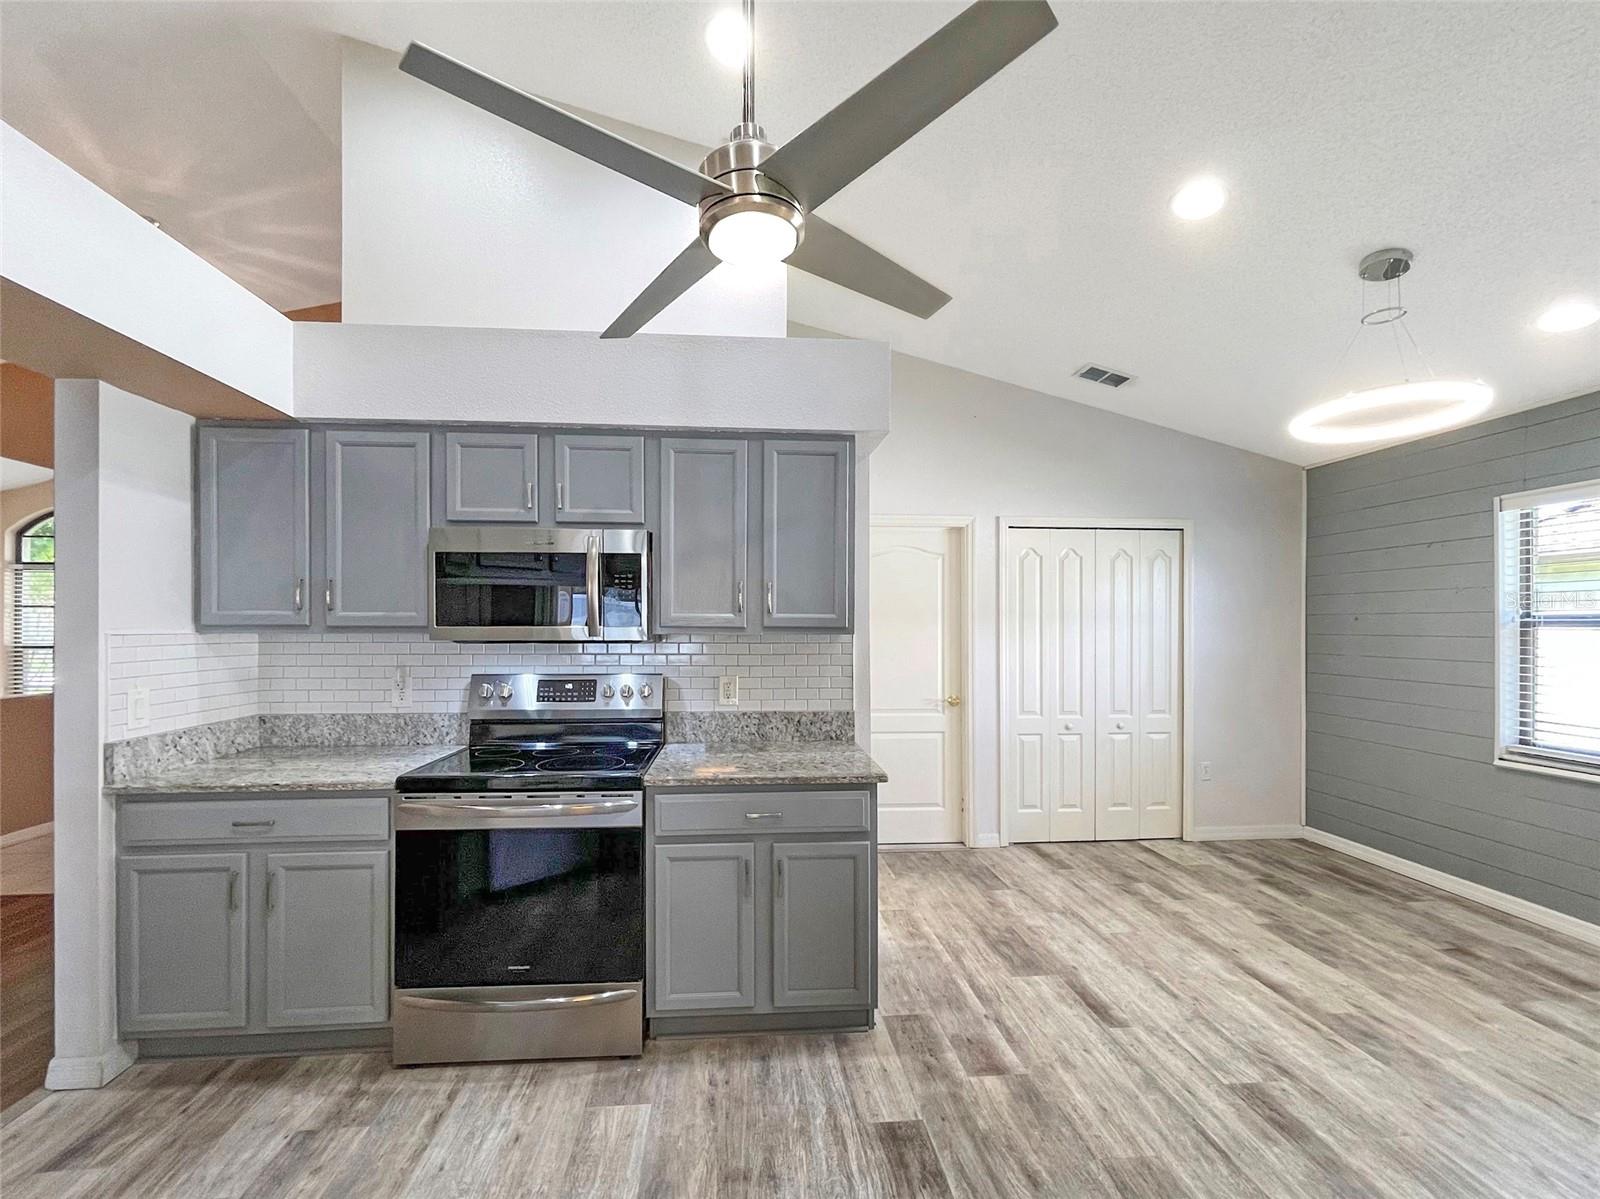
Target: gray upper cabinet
{"x": 327, "y": 938}
{"x": 705, "y": 949}
{"x": 376, "y": 527}
{"x": 599, "y": 479}
{"x": 821, "y": 924}
{"x": 806, "y": 534}
{"x": 181, "y": 942}
{"x": 254, "y": 526}
{"x": 702, "y": 552}
{"x": 491, "y": 476}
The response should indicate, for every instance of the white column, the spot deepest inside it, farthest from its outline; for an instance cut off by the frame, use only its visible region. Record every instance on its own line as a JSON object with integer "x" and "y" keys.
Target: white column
{"x": 87, "y": 1052}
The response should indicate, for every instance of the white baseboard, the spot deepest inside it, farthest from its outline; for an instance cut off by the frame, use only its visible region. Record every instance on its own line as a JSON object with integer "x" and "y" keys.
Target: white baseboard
{"x": 1534, "y": 913}
{"x": 28, "y": 834}
{"x": 1249, "y": 832}
{"x": 986, "y": 841}
{"x": 87, "y": 1073}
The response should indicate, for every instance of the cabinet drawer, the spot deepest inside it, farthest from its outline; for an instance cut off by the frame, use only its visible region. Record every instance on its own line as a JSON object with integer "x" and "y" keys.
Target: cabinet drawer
{"x": 763, "y": 812}
{"x": 213, "y": 821}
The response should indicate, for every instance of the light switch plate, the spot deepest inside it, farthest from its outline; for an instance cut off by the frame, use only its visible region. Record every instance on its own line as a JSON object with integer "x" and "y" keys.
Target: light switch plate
{"x": 728, "y": 691}
{"x": 1205, "y": 772}
{"x": 138, "y": 708}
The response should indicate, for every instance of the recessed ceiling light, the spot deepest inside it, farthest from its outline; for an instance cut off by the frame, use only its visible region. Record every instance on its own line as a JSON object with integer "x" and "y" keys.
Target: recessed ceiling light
{"x": 728, "y": 38}
{"x": 1200, "y": 198}
{"x": 1568, "y": 316}
{"x": 1446, "y": 402}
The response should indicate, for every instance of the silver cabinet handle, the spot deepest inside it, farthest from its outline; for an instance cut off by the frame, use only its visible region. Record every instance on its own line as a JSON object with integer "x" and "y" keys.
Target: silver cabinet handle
{"x": 749, "y": 889}
{"x": 530, "y": 496}
{"x": 739, "y": 600}
{"x": 561, "y": 494}
{"x": 272, "y": 890}
{"x": 254, "y": 823}
{"x": 327, "y": 596}
{"x": 233, "y": 890}
{"x": 299, "y": 594}
{"x": 780, "y": 878}
{"x": 592, "y": 581}
{"x": 518, "y": 1005}
{"x": 769, "y": 597}
{"x": 600, "y": 808}
{"x": 763, "y": 815}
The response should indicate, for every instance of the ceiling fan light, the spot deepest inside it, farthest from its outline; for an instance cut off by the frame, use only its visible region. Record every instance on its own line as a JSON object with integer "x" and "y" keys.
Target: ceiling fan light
{"x": 728, "y": 38}
{"x": 1456, "y": 402}
{"x": 753, "y": 237}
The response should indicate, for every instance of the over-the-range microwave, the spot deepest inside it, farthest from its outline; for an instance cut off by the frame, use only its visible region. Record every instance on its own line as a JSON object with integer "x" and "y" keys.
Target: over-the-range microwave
{"x": 510, "y": 583}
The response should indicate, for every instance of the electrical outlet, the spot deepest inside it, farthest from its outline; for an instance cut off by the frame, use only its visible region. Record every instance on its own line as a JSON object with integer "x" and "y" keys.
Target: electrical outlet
{"x": 138, "y": 708}
{"x": 1205, "y": 772}
{"x": 728, "y": 691}
{"x": 400, "y": 687}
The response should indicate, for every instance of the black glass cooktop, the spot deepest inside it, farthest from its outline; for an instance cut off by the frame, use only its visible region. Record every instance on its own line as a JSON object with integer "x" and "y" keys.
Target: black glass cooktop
{"x": 612, "y": 760}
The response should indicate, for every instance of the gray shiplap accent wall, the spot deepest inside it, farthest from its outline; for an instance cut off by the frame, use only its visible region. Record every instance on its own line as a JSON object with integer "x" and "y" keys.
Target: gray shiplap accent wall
{"x": 1400, "y": 660}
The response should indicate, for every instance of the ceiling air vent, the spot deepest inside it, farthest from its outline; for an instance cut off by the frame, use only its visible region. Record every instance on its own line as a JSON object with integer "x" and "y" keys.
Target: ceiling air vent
{"x": 1099, "y": 374}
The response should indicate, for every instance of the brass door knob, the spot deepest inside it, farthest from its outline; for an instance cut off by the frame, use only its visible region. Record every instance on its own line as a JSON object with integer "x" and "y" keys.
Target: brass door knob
{"x": 953, "y": 700}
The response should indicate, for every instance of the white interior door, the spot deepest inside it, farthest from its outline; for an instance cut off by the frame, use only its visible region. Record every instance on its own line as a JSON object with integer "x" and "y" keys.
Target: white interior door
{"x": 1092, "y": 684}
{"x": 917, "y": 637}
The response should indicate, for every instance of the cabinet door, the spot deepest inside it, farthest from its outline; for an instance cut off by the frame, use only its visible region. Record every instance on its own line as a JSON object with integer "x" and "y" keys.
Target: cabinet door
{"x": 491, "y": 476}
{"x": 377, "y": 527}
{"x": 806, "y": 534}
{"x": 181, "y": 942}
{"x": 255, "y": 525}
{"x": 821, "y": 914}
{"x": 704, "y": 533}
{"x": 599, "y": 478}
{"x": 327, "y": 938}
{"x": 705, "y": 948}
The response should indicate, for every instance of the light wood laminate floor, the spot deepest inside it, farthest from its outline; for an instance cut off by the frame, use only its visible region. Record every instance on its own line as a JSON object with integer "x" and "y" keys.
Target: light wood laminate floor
{"x": 1241, "y": 1020}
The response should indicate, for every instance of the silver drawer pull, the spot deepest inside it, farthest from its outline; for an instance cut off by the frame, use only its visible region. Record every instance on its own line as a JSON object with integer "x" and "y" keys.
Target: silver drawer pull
{"x": 763, "y": 815}
{"x": 539, "y": 809}
{"x": 519, "y": 1005}
{"x": 233, "y": 890}
{"x": 254, "y": 823}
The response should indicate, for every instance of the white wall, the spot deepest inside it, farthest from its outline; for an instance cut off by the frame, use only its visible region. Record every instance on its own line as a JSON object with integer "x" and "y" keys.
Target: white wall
{"x": 455, "y": 217}
{"x": 965, "y": 445}
{"x": 146, "y": 522}
{"x": 71, "y": 243}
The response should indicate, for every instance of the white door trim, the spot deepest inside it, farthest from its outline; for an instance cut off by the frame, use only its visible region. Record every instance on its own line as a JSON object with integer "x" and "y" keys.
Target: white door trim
{"x": 1003, "y": 539}
{"x": 965, "y": 527}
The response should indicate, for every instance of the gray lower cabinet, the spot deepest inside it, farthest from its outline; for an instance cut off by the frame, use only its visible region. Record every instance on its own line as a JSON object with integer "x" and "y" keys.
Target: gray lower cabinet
{"x": 253, "y": 523}
{"x": 599, "y": 478}
{"x": 820, "y": 904}
{"x": 327, "y": 938}
{"x": 376, "y": 527}
{"x": 703, "y": 548}
{"x": 806, "y": 534}
{"x": 181, "y": 942}
{"x": 705, "y": 949}
{"x": 491, "y": 476}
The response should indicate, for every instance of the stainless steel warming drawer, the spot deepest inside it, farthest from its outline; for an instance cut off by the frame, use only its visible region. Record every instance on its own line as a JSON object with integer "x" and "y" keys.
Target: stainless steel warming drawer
{"x": 763, "y": 812}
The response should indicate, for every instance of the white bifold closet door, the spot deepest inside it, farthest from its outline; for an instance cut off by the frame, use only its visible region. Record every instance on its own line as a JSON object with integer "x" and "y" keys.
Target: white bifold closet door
{"x": 1093, "y": 684}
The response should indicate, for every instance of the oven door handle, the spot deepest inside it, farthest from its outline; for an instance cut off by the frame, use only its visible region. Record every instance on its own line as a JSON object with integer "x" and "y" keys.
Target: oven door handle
{"x": 593, "y": 999}
{"x": 592, "y": 583}
{"x": 602, "y": 807}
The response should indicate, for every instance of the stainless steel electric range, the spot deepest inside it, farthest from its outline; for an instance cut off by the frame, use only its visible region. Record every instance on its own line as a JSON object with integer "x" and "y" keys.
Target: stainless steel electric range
{"x": 519, "y": 876}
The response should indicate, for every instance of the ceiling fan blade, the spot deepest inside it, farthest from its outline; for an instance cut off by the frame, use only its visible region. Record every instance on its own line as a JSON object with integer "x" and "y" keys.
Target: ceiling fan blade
{"x": 557, "y": 125}
{"x": 911, "y": 94}
{"x": 682, "y": 273}
{"x": 830, "y": 253}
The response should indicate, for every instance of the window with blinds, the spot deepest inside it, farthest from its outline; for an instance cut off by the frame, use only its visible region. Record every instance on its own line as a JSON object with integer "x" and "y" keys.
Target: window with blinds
{"x": 31, "y": 651}
{"x": 1548, "y": 548}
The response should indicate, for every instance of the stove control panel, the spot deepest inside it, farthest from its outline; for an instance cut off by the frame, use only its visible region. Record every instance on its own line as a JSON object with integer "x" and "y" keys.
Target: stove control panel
{"x": 637, "y": 696}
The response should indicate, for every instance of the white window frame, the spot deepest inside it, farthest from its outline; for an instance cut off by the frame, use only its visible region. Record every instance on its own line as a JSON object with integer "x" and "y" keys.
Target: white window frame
{"x": 1508, "y": 750}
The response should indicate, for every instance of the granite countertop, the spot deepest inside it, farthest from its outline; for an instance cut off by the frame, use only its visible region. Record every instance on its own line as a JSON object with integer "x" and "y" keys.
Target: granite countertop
{"x": 297, "y": 768}
{"x": 806, "y": 763}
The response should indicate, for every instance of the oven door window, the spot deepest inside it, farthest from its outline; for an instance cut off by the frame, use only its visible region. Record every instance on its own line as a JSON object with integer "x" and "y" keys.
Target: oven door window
{"x": 494, "y": 907}
{"x": 478, "y": 590}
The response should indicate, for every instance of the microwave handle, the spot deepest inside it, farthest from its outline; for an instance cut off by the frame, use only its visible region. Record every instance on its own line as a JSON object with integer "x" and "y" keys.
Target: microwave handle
{"x": 592, "y": 579}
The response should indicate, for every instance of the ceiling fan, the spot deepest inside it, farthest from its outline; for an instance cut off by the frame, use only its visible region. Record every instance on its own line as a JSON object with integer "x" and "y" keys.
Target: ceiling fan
{"x": 757, "y": 201}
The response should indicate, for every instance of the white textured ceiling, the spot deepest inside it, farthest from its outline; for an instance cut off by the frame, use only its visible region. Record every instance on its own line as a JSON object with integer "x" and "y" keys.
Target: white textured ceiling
{"x": 1464, "y": 132}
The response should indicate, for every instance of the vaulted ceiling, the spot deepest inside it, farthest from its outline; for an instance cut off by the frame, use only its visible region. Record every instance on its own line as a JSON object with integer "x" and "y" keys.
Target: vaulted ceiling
{"x": 1463, "y": 132}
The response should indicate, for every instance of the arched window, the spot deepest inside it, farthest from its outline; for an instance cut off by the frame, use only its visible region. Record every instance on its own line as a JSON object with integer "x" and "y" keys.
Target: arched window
{"x": 31, "y": 632}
